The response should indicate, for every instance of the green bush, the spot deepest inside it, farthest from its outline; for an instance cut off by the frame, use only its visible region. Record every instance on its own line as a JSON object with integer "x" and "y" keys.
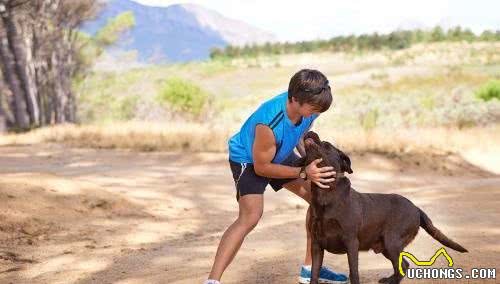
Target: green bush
{"x": 489, "y": 91}
{"x": 428, "y": 102}
{"x": 125, "y": 108}
{"x": 183, "y": 96}
{"x": 369, "y": 119}
{"x": 105, "y": 107}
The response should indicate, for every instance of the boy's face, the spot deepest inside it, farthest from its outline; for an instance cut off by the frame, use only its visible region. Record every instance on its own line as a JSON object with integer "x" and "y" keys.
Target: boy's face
{"x": 305, "y": 109}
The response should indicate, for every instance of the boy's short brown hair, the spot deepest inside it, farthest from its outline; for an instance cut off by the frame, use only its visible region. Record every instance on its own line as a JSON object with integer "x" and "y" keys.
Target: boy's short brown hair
{"x": 311, "y": 87}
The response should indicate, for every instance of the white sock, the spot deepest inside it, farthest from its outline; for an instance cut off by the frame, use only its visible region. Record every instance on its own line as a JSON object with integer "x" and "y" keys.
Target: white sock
{"x": 211, "y": 281}
{"x": 308, "y": 267}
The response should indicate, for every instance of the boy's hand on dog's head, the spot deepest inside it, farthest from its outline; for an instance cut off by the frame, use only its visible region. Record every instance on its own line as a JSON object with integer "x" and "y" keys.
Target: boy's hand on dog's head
{"x": 320, "y": 175}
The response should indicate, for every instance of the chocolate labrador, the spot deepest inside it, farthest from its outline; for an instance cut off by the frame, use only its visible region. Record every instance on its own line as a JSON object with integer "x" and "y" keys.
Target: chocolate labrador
{"x": 346, "y": 221}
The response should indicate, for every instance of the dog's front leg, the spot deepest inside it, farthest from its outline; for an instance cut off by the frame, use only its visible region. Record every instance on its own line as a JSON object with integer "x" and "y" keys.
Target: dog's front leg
{"x": 317, "y": 261}
{"x": 352, "y": 255}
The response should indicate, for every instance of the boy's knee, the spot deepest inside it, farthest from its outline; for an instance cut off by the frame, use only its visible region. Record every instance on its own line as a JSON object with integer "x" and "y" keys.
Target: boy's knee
{"x": 250, "y": 220}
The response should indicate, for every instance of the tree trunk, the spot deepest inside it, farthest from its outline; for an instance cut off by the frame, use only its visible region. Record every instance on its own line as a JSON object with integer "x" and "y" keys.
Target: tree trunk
{"x": 67, "y": 72}
{"x": 60, "y": 98}
{"x": 3, "y": 121}
{"x": 16, "y": 47}
{"x": 18, "y": 104}
{"x": 5, "y": 118}
{"x": 31, "y": 73}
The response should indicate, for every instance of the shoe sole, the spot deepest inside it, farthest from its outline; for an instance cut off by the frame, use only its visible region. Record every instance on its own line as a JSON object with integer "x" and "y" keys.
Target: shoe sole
{"x": 303, "y": 280}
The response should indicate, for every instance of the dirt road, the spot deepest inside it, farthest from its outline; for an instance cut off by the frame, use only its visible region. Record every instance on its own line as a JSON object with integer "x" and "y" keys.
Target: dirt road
{"x": 112, "y": 216}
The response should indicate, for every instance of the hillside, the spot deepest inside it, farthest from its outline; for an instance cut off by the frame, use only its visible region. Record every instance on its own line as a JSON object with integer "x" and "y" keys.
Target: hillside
{"x": 180, "y": 32}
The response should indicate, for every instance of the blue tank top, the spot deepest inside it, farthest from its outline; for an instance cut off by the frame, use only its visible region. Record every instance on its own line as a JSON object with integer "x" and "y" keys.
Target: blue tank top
{"x": 286, "y": 134}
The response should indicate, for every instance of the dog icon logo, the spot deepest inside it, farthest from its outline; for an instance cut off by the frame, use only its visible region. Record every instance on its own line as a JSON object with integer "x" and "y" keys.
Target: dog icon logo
{"x": 441, "y": 251}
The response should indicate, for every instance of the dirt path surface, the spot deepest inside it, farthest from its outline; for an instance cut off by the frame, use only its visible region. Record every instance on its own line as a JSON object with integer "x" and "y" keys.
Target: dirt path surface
{"x": 111, "y": 216}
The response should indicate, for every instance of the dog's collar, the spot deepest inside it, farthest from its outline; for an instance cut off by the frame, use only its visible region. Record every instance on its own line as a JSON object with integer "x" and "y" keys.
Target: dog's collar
{"x": 339, "y": 175}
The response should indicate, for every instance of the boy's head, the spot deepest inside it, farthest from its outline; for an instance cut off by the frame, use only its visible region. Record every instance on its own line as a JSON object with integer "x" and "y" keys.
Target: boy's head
{"x": 310, "y": 87}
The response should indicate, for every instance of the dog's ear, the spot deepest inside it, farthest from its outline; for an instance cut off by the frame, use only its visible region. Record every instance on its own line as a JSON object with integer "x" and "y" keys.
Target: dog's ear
{"x": 311, "y": 134}
{"x": 346, "y": 162}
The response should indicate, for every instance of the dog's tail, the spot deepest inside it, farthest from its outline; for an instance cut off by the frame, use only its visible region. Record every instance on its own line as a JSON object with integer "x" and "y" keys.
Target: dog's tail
{"x": 426, "y": 223}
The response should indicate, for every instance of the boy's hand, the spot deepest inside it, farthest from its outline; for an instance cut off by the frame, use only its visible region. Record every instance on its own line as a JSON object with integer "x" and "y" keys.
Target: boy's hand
{"x": 319, "y": 175}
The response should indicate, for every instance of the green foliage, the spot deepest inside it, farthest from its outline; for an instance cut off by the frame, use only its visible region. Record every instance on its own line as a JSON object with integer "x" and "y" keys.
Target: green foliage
{"x": 94, "y": 103}
{"x": 369, "y": 119}
{"x": 438, "y": 34}
{"x": 91, "y": 47}
{"x": 490, "y": 36}
{"x": 399, "y": 40}
{"x": 107, "y": 97}
{"x": 395, "y": 40}
{"x": 183, "y": 96}
{"x": 428, "y": 102}
{"x": 115, "y": 26}
{"x": 489, "y": 91}
{"x": 125, "y": 108}
{"x": 88, "y": 52}
{"x": 106, "y": 107}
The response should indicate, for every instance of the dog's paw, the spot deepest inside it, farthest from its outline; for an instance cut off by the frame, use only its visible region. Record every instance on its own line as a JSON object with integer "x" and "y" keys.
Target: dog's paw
{"x": 384, "y": 280}
{"x": 389, "y": 280}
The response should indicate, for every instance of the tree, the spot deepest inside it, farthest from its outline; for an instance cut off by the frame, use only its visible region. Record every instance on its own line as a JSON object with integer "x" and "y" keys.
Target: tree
{"x": 109, "y": 34}
{"x": 487, "y": 35}
{"x": 6, "y": 119}
{"x": 11, "y": 57}
{"x": 42, "y": 52}
{"x": 437, "y": 34}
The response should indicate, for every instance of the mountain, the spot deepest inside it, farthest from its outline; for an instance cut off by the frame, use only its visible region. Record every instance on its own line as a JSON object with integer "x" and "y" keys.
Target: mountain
{"x": 176, "y": 33}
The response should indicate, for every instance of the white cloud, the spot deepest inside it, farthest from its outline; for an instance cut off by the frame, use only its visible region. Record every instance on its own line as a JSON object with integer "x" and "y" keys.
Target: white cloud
{"x": 299, "y": 20}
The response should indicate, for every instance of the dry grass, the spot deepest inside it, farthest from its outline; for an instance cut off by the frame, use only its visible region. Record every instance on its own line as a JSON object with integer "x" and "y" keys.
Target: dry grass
{"x": 416, "y": 140}
{"x": 199, "y": 137}
{"x": 140, "y": 136}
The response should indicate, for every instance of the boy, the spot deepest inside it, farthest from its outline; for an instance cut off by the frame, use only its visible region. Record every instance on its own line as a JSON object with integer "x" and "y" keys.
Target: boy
{"x": 261, "y": 153}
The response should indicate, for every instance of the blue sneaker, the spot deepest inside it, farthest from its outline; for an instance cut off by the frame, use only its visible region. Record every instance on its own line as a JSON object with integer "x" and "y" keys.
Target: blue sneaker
{"x": 326, "y": 275}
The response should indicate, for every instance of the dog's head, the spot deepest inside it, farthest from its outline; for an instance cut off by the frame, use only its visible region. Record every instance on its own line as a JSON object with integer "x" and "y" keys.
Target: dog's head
{"x": 332, "y": 156}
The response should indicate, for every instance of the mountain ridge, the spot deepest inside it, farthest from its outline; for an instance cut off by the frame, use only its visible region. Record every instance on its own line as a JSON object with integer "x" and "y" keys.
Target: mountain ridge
{"x": 176, "y": 33}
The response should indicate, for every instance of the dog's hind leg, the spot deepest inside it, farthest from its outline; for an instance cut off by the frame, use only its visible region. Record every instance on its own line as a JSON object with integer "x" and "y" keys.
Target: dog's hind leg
{"x": 396, "y": 277}
{"x": 391, "y": 252}
{"x": 390, "y": 279}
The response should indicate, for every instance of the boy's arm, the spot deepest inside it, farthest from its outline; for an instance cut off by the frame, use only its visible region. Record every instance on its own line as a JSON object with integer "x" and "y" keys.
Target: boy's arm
{"x": 264, "y": 149}
{"x": 301, "y": 148}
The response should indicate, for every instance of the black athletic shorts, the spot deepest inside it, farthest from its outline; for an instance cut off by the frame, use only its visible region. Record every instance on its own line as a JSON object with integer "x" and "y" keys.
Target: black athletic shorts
{"x": 248, "y": 182}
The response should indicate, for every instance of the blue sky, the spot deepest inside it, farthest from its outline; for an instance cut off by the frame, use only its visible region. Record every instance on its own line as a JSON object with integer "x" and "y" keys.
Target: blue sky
{"x": 312, "y": 19}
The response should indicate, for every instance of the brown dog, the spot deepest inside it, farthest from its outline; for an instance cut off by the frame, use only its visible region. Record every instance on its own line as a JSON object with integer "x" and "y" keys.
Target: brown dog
{"x": 346, "y": 221}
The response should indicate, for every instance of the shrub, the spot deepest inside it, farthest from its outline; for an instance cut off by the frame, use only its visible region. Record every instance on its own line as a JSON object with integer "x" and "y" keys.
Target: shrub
{"x": 489, "y": 91}
{"x": 428, "y": 102}
{"x": 369, "y": 119}
{"x": 183, "y": 96}
{"x": 106, "y": 107}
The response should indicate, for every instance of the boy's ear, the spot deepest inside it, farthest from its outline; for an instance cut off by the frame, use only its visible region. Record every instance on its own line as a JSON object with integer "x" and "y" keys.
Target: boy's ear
{"x": 346, "y": 161}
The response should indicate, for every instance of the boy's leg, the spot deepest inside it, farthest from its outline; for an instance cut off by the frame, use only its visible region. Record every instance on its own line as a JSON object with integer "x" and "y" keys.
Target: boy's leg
{"x": 302, "y": 189}
{"x": 250, "y": 210}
